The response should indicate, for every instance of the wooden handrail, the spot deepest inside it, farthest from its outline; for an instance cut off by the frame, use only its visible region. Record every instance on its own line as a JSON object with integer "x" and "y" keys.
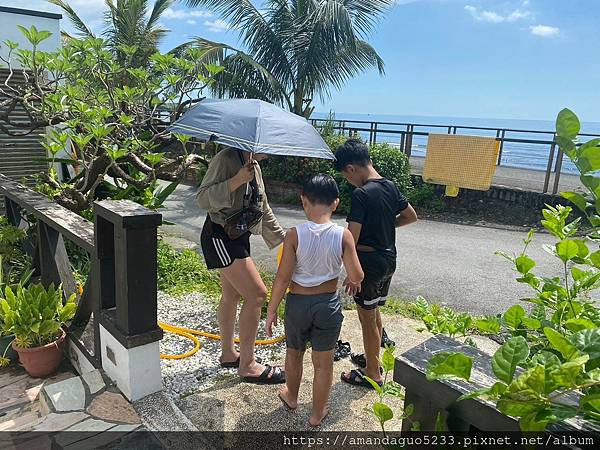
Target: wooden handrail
{"x": 69, "y": 224}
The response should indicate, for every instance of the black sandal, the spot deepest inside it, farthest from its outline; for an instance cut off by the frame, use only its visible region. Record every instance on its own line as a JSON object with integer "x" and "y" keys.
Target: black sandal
{"x": 235, "y": 364}
{"x": 361, "y": 361}
{"x": 385, "y": 340}
{"x": 271, "y": 375}
{"x": 355, "y": 375}
{"x": 342, "y": 350}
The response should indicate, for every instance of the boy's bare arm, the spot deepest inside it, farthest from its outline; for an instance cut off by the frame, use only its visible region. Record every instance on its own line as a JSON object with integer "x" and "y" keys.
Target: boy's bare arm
{"x": 354, "y": 228}
{"x": 350, "y": 258}
{"x": 406, "y": 217}
{"x": 285, "y": 270}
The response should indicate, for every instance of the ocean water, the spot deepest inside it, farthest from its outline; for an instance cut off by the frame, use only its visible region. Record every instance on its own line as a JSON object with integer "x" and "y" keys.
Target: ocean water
{"x": 530, "y": 155}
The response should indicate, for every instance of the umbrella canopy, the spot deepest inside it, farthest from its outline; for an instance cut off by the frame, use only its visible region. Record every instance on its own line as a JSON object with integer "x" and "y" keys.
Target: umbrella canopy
{"x": 254, "y": 126}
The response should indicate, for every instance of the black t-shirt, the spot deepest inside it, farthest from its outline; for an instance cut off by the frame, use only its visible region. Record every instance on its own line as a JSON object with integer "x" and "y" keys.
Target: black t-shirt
{"x": 375, "y": 206}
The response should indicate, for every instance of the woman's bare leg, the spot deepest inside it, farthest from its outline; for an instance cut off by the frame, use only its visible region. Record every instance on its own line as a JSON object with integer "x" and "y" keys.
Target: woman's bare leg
{"x": 227, "y": 313}
{"x": 245, "y": 279}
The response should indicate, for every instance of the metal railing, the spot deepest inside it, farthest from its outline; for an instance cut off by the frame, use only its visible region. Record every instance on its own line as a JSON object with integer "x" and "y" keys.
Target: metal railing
{"x": 374, "y": 132}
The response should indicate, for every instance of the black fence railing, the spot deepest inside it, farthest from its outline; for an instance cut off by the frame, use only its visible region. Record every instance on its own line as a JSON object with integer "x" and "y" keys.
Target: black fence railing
{"x": 519, "y": 148}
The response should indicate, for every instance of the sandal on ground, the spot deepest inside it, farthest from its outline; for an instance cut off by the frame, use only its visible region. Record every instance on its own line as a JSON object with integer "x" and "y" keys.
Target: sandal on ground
{"x": 271, "y": 375}
{"x": 361, "y": 361}
{"x": 235, "y": 364}
{"x": 385, "y": 340}
{"x": 357, "y": 378}
{"x": 342, "y": 350}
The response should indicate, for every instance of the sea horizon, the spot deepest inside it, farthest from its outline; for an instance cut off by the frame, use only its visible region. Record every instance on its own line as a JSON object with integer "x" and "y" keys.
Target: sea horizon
{"x": 546, "y": 125}
{"x": 514, "y": 154}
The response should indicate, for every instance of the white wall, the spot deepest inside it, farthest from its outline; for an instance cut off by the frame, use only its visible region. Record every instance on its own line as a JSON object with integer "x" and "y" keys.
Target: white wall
{"x": 9, "y": 30}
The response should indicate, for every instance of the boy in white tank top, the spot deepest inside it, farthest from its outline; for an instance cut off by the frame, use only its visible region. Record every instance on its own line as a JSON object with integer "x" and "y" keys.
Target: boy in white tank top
{"x": 313, "y": 254}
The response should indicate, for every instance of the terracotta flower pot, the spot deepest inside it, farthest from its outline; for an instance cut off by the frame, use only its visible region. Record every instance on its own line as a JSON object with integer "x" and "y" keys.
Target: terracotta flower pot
{"x": 42, "y": 361}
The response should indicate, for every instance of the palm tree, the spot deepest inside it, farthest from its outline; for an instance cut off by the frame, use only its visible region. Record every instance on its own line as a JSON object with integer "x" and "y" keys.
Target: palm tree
{"x": 296, "y": 49}
{"x": 128, "y": 23}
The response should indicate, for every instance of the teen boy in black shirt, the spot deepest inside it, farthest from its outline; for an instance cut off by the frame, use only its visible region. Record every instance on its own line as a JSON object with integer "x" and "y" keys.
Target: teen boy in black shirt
{"x": 377, "y": 209}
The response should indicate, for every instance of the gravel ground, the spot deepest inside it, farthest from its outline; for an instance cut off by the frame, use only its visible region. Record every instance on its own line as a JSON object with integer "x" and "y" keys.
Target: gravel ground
{"x": 202, "y": 370}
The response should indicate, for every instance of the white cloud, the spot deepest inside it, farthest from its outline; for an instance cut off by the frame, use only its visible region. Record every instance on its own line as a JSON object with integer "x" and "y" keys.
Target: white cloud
{"x": 179, "y": 14}
{"x": 544, "y": 30}
{"x": 494, "y": 17}
{"x": 217, "y": 26}
{"x": 191, "y": 22}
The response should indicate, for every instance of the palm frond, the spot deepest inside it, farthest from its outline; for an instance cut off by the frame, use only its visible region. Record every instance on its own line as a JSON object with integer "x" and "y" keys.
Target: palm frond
{"x": 79, "y": 25}
{"x": 261, "y": 41}
{"x": 348, "y": 63}
{"x": 160, "y": 6}
{"x": 366, "y": 13}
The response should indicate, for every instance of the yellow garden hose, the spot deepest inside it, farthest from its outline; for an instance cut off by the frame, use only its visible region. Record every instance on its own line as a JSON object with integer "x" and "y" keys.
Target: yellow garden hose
{"x": 191, "y": 334}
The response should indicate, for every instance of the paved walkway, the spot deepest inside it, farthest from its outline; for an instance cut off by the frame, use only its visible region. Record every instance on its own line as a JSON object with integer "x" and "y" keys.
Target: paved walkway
{"x": 446, "y": 263}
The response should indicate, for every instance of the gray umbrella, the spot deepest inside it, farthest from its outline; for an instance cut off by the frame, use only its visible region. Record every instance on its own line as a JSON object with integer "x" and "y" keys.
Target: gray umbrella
{"x": 254, "y": 126}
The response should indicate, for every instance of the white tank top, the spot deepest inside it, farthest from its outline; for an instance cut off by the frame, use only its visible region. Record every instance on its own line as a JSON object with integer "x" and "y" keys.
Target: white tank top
{"x": 319, "y": 253}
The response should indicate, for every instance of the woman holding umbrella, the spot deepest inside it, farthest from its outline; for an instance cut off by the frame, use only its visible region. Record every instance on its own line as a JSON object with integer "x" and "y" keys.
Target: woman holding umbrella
{"x": 233, "y": 193}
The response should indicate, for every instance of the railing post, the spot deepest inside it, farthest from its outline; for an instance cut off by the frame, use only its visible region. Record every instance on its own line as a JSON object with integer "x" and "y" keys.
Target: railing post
{"x": 502, "y": 135}
{"x": 126, "y": 242}
{"x": 13, "y": 212}
{"x": 374, "y": 133}
{"x": 557, "y": 170}
{"x": 54, "y": 261}
{"x": 549, "y": 165}
{"x": 409, "y": 137}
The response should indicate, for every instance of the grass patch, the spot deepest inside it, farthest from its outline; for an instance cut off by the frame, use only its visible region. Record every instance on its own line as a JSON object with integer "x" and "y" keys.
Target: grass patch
{"x": 404, "y": 308}
{"x": 181, "y": 273}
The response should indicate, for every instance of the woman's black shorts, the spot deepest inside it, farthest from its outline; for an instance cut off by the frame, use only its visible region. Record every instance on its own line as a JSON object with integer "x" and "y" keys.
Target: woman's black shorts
{"x": 218, "y": 250}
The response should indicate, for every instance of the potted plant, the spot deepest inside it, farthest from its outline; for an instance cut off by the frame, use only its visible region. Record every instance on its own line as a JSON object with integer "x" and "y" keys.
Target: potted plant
{"x": 36, "y": 314}
{"x": 9, "y": 277}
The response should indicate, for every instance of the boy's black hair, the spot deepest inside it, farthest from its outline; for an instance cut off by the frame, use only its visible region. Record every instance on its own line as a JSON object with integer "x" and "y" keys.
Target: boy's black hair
{"x": 321, "y": 189}
{"x": 353, "y": 151}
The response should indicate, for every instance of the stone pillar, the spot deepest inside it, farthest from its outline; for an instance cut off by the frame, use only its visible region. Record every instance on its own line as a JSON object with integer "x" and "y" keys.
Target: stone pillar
{"x": 126, "y": 241}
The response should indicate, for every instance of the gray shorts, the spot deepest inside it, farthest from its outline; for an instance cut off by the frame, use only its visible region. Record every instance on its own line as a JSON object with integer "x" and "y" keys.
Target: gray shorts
{"x": 314, "y": 318}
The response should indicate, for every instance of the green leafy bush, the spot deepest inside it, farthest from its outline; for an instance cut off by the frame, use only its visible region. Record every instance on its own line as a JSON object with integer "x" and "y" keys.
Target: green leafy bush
{"x": 15, "y": 263}
{"x": 423, "y": 195}
{"x": 554, "y": 350}
{"x": 108, "y": 108}
{"x": 389, "y": 161}
{"x": 35, "y": 314}
{"x": 443, "y": 320}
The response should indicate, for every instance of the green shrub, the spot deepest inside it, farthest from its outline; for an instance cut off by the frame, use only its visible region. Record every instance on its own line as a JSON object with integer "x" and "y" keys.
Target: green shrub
{"x": 16, "y": 263}
{"x": 423, "y": 195}
{"x": 389, "y": 161}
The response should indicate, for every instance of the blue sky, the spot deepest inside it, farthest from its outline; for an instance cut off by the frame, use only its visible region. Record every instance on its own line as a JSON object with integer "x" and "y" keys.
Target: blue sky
{"x": 522, "y": 59}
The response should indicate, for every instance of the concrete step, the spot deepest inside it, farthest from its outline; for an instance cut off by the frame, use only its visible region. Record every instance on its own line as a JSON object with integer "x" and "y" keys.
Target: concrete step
{"x": 88, "y": 404}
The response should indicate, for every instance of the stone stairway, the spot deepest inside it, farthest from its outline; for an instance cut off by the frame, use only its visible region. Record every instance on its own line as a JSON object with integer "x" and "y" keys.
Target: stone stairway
{"x": 77, "y": 410}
